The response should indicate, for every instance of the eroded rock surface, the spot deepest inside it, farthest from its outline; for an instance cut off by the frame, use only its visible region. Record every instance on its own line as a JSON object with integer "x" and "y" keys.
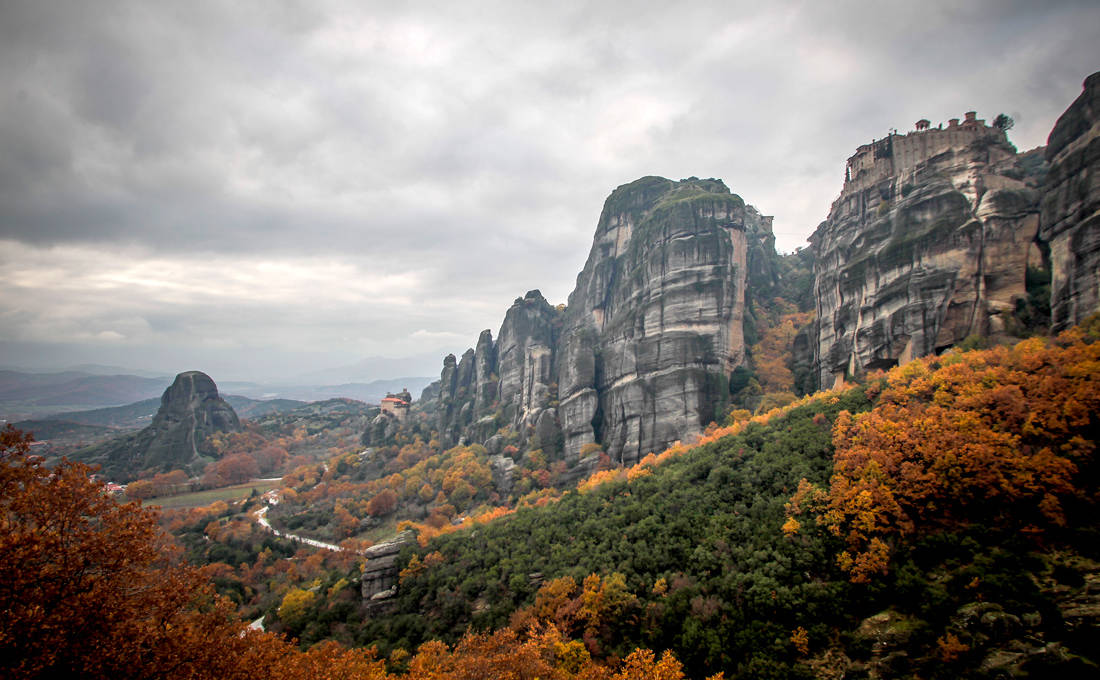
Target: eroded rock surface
{"x": 642, "y": 354}
{"x": 380, "y": 573}
{"x": 655, "y": 324}
{"x": 928, "y": 243}
{"x": 190, "y": 411}
{"x": 1071, "y": 209}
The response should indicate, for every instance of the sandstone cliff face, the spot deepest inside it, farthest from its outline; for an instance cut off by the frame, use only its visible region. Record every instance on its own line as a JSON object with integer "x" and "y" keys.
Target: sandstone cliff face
{"x": 655, "y": 324}
{"x": 190, "y": 411}
{"x": 642, "y": 354}
{"x": 192, "y": 400}
{"x": 1070, "y": 220}
{"x": 379, "y": 581}
{"x": 928, "y": 243}
{"x": 507, "y": 382}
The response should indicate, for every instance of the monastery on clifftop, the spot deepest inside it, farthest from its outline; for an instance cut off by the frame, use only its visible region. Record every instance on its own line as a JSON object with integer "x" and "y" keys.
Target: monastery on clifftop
{"x": 896, "y": 155}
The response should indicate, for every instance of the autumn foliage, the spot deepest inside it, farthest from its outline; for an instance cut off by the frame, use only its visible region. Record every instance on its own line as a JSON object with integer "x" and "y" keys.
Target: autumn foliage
{"x": 92, "y": 588}
{"x": 539, "y": 652}
{"x": 771, "y": 353}
{"x": 1001, "y": 437}
{"x": 591, "y": 611}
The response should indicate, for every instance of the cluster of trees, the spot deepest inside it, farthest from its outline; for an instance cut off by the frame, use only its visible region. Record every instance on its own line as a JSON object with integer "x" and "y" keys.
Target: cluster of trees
{"x": 778, "y": 308}
{"x": 370, "y": 493}
{"x": 682, "y": 552}
{"x": 91, "y": 588}
{"x": 1003, "y": 437}
{"x": 774, "y": 380}
{"x": 248, "y": 454}
{"x": 161, "y": 484}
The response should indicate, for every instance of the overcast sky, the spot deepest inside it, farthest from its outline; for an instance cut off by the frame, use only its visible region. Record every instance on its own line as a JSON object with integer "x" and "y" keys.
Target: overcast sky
{"x": 261, "y": 189}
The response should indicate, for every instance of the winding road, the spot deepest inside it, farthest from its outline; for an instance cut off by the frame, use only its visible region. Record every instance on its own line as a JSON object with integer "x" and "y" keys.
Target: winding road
{"x": 261, "y": 518}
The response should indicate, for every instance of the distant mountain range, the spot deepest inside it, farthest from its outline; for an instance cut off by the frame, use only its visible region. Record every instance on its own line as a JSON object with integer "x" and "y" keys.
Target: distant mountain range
{"x": 40, "y": 392}
{"x": 123, "y": 400}
{"x": 102, "y": 369}
{"x": 370, "y": 392}
{"x": 373, "y": 369}
{"x": 140, "y": 413}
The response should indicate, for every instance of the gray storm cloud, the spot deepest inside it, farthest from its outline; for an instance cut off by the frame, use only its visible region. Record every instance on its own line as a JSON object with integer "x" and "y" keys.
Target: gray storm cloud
{"x": 339, "y": 180}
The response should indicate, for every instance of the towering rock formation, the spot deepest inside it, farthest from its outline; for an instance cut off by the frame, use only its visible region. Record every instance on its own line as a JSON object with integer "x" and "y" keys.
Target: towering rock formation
{"x": 928, "y": 243}
{"x": 524, "y": 352}
{"x": 190, "y": 411}
{"x": 655, "y": 324}
{"x": 1070, "y": 220}
{"x": 936, "y": 237}
{"x": 641, "y": 356}
{"x": 510, "y": 381}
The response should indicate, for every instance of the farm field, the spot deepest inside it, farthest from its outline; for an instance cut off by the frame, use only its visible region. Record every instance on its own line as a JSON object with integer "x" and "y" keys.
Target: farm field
{"x": 227, "y": 493}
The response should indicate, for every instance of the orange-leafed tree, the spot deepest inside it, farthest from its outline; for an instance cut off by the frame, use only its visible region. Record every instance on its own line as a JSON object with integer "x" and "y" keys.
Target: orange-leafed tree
{"x": 270, "y": 458}
{"x": 141, "y": 489}
{"x": 382, "y": 503}
{"x": 771, "y": 354}
{"x": 596, "y": 611}
{"x": 536, "y": 653}
{"x": 237, "y": 468}
{"x": 91, "y": 588}
{"x": 345, "y": 523}
{"x": 170, "y": 482}
{"x": 999, "y": 437}
{"x": 77, "y": 587}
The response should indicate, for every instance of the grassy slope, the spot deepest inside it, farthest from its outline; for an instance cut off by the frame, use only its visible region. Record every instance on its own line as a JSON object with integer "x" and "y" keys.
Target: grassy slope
{"x": 201, "y": 498}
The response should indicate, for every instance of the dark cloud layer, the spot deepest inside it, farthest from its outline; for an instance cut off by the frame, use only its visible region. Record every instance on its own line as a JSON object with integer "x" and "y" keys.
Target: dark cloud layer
{"x": 438, "y": 159}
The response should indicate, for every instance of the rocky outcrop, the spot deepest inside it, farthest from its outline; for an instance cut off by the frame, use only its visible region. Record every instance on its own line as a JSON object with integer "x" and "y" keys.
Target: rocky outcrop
{"x": 655, "y": 324}
{"x": 1070, "y": 220}
{"x": 928, "y": 243}
{"x": 485, "y": 378}
{"x": 380, "y": 573}
{"x": 503, "y": 469}
{"x": 383, "y": 428}
{"x": 190, "y": 411}
{"x": 506, "y": 382}
{"x": 642, "y": 354}
{"x": 525, "y": 358}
